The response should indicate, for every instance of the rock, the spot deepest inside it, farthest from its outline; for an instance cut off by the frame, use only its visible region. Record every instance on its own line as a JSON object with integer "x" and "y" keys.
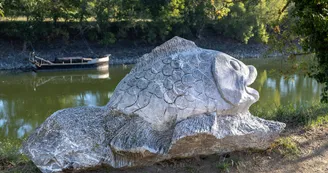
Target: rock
{"x": 178, "y": 101}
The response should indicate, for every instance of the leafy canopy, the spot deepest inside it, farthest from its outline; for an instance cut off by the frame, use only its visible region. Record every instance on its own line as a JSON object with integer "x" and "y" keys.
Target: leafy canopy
{"x": 312, "y": 26}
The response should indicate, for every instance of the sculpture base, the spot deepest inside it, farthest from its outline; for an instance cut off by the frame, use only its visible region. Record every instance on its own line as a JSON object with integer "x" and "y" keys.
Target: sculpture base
{"x": 85, "y": 137}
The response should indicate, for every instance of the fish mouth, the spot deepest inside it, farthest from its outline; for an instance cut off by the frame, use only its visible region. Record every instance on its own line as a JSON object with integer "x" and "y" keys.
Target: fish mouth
{"x": 251, "y": 78}
{"x": 252, "y": 75}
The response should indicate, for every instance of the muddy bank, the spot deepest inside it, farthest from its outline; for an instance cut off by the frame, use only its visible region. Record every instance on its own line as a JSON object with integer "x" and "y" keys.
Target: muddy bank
{"x": 14, "y": 55}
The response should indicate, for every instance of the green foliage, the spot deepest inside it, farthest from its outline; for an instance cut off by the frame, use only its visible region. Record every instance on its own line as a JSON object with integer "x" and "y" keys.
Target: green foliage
{"x": 239, "y": 23}
{"x": 111, "y": 20}
{"x": 250, "y": 19}
{"x": 312, "y": 26}
{"x": 224, "y": 167}
{"x": 12, "y": 161}
{"x": 151, "y": 21}
{"x": 108, "y": 38}
{"x": 35, "y": 10}
{"x": 1, "y": 10}
{"x": 283, "y": 39}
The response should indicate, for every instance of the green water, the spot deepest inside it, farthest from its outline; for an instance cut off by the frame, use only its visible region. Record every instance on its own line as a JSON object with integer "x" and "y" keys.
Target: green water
{"x": 27, "y": 99}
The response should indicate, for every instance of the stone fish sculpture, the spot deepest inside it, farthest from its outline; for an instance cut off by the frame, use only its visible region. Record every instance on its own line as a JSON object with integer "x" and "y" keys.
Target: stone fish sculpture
{"x": 178, "y": 101}
{"x": 179, "y": 80}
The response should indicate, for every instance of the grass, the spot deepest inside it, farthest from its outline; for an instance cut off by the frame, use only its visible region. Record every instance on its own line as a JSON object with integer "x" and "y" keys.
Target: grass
{"x": 226, "y": 163}
{"x": 306, "y": 117}
{"x": 224, "y": 167}
{"x": 12, "y": 161}
{"x": 286, "y": 146}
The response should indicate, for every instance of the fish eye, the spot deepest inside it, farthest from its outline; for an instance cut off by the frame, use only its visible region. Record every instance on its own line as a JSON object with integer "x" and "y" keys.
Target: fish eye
{"x": 235, "y": 65}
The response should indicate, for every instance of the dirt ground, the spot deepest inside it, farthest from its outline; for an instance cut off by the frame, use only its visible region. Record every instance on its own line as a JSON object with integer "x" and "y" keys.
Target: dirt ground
{"x": 310, "y": 156}
{"x": 313, "y": 156}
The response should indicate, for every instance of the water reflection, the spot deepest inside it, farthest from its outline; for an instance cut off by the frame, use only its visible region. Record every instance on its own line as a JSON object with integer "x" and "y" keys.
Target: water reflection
{"x": 276, "y": 89}
{"x": 27, "y": 99}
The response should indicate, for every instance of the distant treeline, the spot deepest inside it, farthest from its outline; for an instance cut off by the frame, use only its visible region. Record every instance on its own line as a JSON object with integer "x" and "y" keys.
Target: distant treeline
{"x": 107, "y": 21}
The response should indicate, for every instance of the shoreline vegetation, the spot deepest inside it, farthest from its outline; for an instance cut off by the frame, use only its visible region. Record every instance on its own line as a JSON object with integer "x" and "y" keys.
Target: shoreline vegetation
{"x": 131, "y": 29}
{"x": 301, "y": 144}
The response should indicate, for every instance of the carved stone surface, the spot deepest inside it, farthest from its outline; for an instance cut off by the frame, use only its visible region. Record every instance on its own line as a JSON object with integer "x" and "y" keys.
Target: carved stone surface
{"x": 178, "y": 101}
{"x": 179, "y": 80}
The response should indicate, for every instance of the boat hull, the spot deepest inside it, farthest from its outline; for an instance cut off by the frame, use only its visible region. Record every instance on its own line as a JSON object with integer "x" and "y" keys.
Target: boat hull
{"x": 98, "y": 64}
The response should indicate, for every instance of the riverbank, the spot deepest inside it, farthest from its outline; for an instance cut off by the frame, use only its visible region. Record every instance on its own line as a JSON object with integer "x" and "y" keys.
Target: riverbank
{"x": 14, "y": 55}
{"x": 301, "y": 146}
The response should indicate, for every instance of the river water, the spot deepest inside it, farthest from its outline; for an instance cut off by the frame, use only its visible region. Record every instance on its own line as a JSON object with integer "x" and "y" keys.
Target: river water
{"x": 27, "y": 99}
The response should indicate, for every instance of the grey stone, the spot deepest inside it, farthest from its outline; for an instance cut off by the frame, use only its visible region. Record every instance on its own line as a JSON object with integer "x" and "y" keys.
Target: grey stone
{"x": 178, "y": 101}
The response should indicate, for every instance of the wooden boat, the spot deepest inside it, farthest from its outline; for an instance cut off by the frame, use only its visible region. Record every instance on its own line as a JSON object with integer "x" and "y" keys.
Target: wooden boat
{"x": 69, "y": 63}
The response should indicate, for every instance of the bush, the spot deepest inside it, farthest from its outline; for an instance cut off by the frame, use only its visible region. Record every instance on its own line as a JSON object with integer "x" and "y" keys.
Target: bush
{"x": 108, "y": 38}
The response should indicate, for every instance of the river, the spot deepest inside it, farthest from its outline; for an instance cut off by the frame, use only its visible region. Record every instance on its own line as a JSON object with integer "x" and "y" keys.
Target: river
{"x": 27, "y": 99}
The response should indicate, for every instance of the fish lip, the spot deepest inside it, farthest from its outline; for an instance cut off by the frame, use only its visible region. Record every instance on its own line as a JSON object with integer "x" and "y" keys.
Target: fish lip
{"x": 252, "y": 92}
{"x": 251, "y": 76}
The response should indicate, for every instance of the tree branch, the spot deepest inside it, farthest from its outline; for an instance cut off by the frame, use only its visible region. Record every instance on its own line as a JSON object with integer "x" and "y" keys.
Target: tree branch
{"x": 284, "y": 8}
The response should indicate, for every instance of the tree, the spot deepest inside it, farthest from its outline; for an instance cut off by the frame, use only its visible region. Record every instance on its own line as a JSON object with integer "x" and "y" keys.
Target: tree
{"x": 55, "y": 10}
{"x": 186, "y": 17}
{"x": 250, "y": 19}
{"x": 198, "y": 14}
{"x": 312, "y": 27}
